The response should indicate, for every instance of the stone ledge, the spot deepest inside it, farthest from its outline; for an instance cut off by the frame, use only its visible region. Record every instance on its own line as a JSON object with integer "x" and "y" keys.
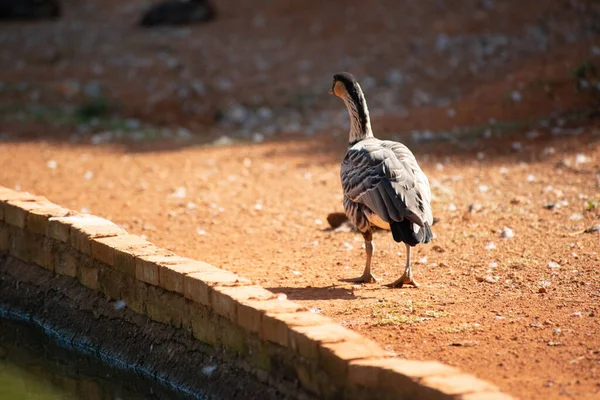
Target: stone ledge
{"x": 221, "y": 308}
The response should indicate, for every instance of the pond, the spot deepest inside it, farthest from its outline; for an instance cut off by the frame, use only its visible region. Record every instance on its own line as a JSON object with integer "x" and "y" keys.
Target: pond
{"x": 35, "y": 367}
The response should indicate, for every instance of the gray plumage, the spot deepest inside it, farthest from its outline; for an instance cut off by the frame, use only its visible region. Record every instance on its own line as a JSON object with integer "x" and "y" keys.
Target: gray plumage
{"x": 383, "y": 178}
{"x": 382, "y": 182}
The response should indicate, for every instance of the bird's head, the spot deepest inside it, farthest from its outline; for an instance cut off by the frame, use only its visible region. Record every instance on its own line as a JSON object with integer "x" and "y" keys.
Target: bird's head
{"x": 344, "y": 85}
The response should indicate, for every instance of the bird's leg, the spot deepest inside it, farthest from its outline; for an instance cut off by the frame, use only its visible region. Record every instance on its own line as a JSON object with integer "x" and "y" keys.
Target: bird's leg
{"x": 406, "y": 277}
{"x": 367, "y": 276}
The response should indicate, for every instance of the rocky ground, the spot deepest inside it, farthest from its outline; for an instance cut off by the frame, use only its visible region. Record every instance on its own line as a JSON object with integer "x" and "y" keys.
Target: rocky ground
{"x": 219, "y": 142}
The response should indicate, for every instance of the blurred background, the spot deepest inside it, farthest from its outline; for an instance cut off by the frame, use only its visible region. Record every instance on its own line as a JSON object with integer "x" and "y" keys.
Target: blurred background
{"x": 261, "y": 69}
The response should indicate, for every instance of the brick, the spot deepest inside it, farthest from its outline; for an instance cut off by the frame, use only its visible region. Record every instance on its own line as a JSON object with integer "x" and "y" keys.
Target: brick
{"x": 399, "y": 375}
{"x": 486, "y": 396}
{"x": 120, "y": 251}
{"x": 236, "y": 296}
{"x": 232, "y": 337}
{"x": 7, "y": 195}
{"x": 4, "y": 238}
{"x": 19, "y": 244}
{"x": 225, "y": 299}
{"x": 147, "y": 266}
{"x": 112, "y": 283}
{"x": 134, "y": 293}
{"x": 455, "y": 385}
{"x": 85, "y": 228}
{"x": 88, "y": 276}
{"x": 37, "y": 219}
{"x": 275, "y": 327}
{"x": 204, "y": 327}
{"x": 59, "y": 229}
{"x": 171, "y": 275}
{"x": 164, "y": 307}
{"x": 251, "y": 310}
{"x": 56, "y": 253}
{"x": 197, "y": 285}
{"x": 307, "y": 340}
{"x": 15, "y": 211}
{"x": 336, "y": 357}
{"x": 40, "y": 251}
{"x": 67, "y": 263}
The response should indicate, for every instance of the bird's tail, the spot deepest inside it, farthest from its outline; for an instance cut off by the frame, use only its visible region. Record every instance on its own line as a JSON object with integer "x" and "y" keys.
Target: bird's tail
{"x": 403, "y": 232}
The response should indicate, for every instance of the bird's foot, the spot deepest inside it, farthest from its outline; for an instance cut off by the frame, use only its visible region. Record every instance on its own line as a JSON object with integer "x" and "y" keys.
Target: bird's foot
{"x": 405, "y": 279}
{"x": 365, "y": 278}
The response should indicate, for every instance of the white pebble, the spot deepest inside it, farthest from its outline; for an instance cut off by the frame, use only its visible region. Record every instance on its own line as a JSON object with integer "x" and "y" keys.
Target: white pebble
{"x": 316, "y": 310}
{"x": 247, "y": 162}
{"x": 201, "y": 232}
{"x": 553, "y": 265}
{"x": 530, "y": 178}
{"x": 119, "y": 305}
{"x": 577, "y": 314}
{"x": 576, "y": 217}
{"x": 483, "y": 188}
{"x": 490, "y": 246}
{"x": 439, "y": 167}
{"x": 258, "y": 206}
{"x": 451, "y": 207}
{"x": 88, "y": 175}
{"x": 318, "y": 222}
{"x": 209, "y": 370}
{"x": 580, "y": 159}
{"x": 52, "y": 164}
{"x": 179, "y": 193}
{"x": 348, "y": 246}
{"x": 503, "y": 170}
{"x": 282, "y": 296}
{"x": 507, "y": 233}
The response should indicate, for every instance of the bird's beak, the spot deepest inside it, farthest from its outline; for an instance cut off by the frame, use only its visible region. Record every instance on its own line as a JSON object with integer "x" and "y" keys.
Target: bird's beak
{"x": 330, "y": 91}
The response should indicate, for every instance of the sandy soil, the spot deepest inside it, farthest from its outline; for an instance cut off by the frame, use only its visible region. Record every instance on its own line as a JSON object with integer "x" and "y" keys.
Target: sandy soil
{"x": 484, "y": 93}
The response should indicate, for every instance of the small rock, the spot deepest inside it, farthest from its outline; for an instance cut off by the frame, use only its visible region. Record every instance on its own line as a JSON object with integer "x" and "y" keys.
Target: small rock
{"x": 507, "y": 233}
{"x": 474, "y": 207}
{"x": 553, "y": 265}
{"x": 119, "y": 305}
{"x": 593, "y": 229}
{"x": 490, "y": 246}
{"x": 209, "y": 370}
{"x": 52, "y": 164}
{"x": 542, "y": 290}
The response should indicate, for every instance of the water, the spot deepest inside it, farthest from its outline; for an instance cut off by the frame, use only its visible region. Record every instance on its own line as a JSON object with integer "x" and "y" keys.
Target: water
{"x": 34, "y": 367}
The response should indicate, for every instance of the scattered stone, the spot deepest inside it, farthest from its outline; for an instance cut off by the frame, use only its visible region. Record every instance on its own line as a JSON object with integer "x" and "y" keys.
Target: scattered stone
{"x": 119, "y": 305}
{"x": 593, "y": 229}
{"x": 553, "y": 265}
{"x": 543, "y": 290}
{"x": 52, "y": 164}
{"x": 507, "y": 233}
{"x": 576, "y": 217}
{"x": 490, "y": 246}
{"x": 208, "y": 370}
{"x": 179, "y": 193}
{"x": 474, "y": 207}
{"x": 451, "y": 207}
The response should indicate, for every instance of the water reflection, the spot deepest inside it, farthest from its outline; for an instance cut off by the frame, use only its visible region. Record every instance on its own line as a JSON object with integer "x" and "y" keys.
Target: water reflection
{"x": 34, "y": 367}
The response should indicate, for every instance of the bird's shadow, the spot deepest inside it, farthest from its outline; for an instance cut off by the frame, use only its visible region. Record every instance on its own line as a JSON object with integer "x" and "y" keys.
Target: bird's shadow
{"x": 316, "y": 293}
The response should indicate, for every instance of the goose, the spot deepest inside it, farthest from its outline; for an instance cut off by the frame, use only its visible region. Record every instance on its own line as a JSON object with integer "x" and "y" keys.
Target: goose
{"x": 383, "y": 184}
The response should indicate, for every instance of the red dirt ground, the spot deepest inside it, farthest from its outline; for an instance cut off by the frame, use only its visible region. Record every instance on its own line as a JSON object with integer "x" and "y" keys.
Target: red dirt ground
{"x": 521, "y": 312}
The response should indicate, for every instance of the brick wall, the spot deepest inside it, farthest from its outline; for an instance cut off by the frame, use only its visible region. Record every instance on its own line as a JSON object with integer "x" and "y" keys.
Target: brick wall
{"x": 279, "y": 339}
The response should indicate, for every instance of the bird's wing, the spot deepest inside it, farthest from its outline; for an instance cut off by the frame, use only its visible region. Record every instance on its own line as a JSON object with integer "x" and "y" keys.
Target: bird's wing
{"x": 385, "y": 177}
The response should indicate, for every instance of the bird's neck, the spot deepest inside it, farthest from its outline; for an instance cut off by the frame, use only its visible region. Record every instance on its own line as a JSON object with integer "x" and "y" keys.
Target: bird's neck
{"x": 360, "y": 123}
